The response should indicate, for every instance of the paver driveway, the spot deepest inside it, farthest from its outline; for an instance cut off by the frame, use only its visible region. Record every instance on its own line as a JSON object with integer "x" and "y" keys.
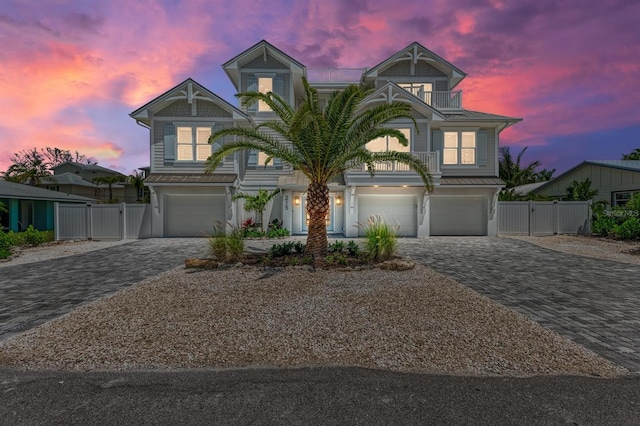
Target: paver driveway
{"x": 33, "y": 293}
{"x": 595, "y": 303}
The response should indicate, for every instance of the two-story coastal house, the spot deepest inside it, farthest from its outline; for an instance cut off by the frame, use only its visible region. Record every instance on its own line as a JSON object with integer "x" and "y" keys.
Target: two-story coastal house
{"x": 460, "y": 147}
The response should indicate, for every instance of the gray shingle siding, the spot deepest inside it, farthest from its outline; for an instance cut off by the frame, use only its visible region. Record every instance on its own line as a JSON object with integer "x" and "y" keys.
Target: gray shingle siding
{"x": 403, "y": 69}
{"x": 179, "y": 108}
{"x": 209, "y": 109}
{"x": 260, "y": 63}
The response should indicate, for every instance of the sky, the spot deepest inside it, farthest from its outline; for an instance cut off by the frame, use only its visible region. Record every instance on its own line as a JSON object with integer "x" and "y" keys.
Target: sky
{"x": 72, "y": 71}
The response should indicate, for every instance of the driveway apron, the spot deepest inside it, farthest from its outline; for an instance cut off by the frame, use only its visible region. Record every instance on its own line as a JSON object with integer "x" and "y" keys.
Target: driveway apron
{"x": 33, "y": 293}
{"x": 593, "y": 302}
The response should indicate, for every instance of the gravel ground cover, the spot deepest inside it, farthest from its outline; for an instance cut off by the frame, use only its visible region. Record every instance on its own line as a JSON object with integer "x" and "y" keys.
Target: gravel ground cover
{"x": 415, "y": 320}
{"x": 601, "y": 248}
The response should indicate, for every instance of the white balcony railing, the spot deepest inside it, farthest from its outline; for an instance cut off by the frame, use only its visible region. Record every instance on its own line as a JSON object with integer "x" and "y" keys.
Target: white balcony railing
{"x": 431, "y": 159}
{"x": 439, "y": 100}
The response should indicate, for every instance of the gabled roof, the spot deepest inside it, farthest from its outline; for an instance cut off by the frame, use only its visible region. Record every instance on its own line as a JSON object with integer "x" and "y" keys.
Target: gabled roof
{"x": 417, "y": 52}
{"x": 66, "y": 179}
{"x": 28, "y": 192}
{"x": 391, "y": 92}
{"x": 233, "y": 65}
{"x": 87, "y": 167}
{"x": 189, "y": 90}
{"x": 631, "y": 165}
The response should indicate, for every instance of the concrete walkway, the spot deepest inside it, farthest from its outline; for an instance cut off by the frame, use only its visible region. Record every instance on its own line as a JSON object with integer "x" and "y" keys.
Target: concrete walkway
{"x": 33, "y": 293}
{"x": 595, "y": 303}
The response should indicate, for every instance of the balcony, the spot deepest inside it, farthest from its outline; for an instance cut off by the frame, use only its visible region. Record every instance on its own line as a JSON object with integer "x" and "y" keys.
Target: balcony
{"x": 431, "y": 159}
{"x": 335, "y": 75}
{"x": 438, "y": 100}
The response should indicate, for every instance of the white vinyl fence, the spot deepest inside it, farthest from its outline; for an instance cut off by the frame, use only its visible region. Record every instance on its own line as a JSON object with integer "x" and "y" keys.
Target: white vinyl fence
{"x": 544, "y": 217}
{"x": 102, "y": 221}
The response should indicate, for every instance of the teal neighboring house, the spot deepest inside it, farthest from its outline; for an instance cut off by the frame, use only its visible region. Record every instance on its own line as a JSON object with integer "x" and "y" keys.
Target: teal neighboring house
{"x": 30, "y": 205}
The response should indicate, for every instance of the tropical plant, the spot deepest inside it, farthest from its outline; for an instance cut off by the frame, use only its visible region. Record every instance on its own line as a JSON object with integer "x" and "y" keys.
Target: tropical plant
{"x": 513, "y": 173}
{"x": 136, "y": 179}
{"x": 322, "y": 142}
{"x": 28, "y": 167}
{"x": 110, "y": 180}
{"x": 580, "y": 191}
{"x": 633, "y": 155}
{"x": 258, "y": 202}
{"x": 3, "y": 207}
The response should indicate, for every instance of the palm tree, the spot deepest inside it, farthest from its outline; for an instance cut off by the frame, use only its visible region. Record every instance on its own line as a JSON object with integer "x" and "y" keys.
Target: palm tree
{"x": 29, "y": 167}
{"x": 633, "y": 155}
{"x": 514, "y": 174}
{"x": 137, "y": 180}
{"x": 257, "y": 202}
{"x": 110, "y": 180}
{"x": 321, "y": 142}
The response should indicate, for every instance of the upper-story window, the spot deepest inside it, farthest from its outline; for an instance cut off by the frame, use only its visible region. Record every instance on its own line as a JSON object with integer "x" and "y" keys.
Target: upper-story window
{"x": 264, "y": 83}
{"x": 389, "y": 143}
{"x": 193, "y": 143}
{"x": 423, "y": 91}
{"x": 459, "y": 148}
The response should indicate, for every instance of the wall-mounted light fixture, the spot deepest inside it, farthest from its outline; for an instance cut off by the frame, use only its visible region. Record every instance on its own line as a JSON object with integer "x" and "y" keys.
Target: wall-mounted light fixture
{"x": 338, "y": 200}
{"x": 296, "y": 201}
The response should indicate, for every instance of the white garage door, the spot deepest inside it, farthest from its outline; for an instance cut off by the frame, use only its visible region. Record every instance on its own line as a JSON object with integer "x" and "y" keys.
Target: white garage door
{"x": 458, "y": 216}
{"x": 192, "y": 215}
{"x": 397, "y": 210}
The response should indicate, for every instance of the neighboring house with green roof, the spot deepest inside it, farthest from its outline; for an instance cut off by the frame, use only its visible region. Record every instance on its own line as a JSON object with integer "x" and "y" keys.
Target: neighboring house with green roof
{"x": 615, "y": 180}
{"x": 30, "y": 205}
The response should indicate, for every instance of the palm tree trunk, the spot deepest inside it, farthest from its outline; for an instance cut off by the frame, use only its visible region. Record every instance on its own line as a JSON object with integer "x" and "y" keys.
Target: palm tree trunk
{"x": 317, "y": 209}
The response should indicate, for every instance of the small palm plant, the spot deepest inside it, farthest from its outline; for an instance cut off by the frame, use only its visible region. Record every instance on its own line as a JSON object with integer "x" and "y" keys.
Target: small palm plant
{"x": 257, "y": 202}
{"x": 322, "y": 142}
{"x": 110, "y": 180}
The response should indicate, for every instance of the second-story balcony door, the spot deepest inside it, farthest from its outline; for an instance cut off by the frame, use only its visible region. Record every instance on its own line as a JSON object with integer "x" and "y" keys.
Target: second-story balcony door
{"x": 420, "y": 90}
{"x": 329, "y": 219}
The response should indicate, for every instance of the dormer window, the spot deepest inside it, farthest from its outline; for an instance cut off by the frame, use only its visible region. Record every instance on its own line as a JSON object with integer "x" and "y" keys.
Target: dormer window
{"x": 264, "y": 83}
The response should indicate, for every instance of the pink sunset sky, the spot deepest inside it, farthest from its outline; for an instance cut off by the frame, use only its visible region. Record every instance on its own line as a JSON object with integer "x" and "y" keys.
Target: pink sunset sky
{"x": 72, "y": 71}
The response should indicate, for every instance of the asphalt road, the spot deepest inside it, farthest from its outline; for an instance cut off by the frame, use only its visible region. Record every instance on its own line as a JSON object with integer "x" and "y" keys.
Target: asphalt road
{"x": 309, "y": 396}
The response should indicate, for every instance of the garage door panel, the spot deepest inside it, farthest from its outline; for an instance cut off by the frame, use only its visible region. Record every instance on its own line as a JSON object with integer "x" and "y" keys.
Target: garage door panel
{"x": 458, "y": 216}
{"x": 397, "y": 211}
{"x": 193, "y": 215}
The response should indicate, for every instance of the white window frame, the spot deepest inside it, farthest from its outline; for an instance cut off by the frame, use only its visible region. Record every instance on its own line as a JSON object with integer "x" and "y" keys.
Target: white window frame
{"x": 263, "y": 107}
{"x": 459, "y": 149}
{"x": 195, "y": 127}
{"x": 407, "y": 132}
{"x": 617, "y": 203}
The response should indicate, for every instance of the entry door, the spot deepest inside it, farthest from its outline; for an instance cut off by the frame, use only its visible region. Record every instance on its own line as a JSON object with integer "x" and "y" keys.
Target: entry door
{"x": 305, "y": 216}
{"x": 26, "y": 214}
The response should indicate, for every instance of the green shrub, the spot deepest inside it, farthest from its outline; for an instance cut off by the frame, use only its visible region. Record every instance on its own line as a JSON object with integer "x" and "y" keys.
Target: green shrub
{"x": 277, "y": 233}
{"x": 33, "y": 237}
{"x": 280, "y": 250}
{"x": 336, "y": 247}
{"x": 299, "y": 247}
{"x": 603, "y": 225}
{"x": 629, "y": 229}
{"x": 337, "y": 257}
{"x": 6, "y": 242}
{"x": 353, "y": 249}
{"x": 381, "y": 240}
